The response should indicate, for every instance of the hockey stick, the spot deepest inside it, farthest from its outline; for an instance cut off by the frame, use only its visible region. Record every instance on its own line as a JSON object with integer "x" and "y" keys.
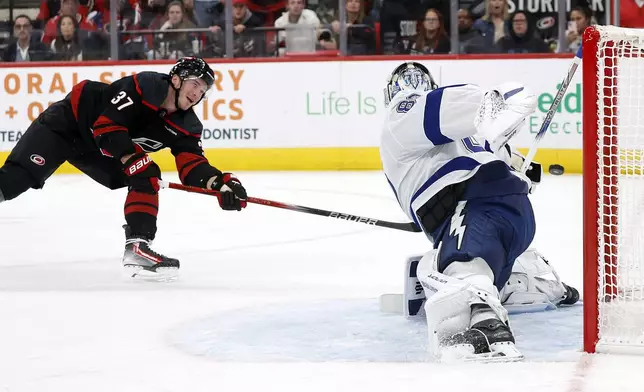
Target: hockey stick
{"x": 307, "y": 210}
{"x": 551, "y": 112}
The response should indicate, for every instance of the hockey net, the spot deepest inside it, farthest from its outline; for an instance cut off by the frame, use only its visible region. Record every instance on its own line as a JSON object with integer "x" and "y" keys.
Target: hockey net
{"x": 613, "y": 133}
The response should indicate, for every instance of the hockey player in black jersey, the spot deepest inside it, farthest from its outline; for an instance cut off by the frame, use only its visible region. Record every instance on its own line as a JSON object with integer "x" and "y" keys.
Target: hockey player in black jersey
{"x": 106, "y": 132}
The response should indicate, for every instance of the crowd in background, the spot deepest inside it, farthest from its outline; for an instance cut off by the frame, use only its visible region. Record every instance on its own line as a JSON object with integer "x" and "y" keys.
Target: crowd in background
{"x": 77, "y": 30}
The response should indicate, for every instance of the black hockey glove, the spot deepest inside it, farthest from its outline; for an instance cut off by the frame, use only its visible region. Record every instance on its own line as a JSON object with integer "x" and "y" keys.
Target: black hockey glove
{"x": 534, "y": 170}
{"x": 143, "y": 174}
{"x": 232, "y": 194}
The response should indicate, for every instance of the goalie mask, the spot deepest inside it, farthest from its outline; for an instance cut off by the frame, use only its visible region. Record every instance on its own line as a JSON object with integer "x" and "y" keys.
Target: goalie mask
{"x": 409, "y": 77}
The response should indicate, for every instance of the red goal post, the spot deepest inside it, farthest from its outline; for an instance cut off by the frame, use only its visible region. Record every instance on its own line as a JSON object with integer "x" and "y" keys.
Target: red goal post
{"x": 613, "y": 185}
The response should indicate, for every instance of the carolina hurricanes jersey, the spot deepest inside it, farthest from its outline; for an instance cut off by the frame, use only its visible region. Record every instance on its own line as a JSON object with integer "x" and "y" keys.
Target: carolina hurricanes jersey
{"x": 125, "y": 117}
{"x": 429, "y": 141}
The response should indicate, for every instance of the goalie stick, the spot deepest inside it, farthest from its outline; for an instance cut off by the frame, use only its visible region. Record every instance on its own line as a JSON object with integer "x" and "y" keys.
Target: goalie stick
{"x": 551, "y": 112}
{"x": 307, "y": 210}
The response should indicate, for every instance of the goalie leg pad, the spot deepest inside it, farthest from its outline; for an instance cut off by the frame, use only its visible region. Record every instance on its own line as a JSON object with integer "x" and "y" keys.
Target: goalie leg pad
{"x": 413, "y": 293}
{"x": 534, "y": 285}
{"x": 462, "y": 297}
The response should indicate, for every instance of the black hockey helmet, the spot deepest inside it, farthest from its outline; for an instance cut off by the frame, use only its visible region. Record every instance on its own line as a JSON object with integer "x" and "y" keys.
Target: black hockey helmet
{"x": 187, "y": 68}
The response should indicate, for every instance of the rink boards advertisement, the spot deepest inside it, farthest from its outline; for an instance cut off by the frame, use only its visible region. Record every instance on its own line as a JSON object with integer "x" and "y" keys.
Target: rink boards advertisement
{"x": 304, "y": 115}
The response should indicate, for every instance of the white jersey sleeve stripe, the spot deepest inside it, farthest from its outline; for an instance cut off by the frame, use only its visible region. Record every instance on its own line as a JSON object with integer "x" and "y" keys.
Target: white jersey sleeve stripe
{"x": 456, "y": 164}
{"x": 512, "y": 92}
{"x": 450, "y": 112}
{"x": 432, "y": 118}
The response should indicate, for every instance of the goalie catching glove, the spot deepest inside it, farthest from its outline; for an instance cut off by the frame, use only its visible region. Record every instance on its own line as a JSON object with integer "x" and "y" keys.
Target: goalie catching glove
{"x": 232, "y": 194}
{"x": 503, "y": 112}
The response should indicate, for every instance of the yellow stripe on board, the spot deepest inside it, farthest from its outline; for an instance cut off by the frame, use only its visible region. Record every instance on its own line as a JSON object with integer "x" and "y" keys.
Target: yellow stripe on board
{"x": 323, "y": 158}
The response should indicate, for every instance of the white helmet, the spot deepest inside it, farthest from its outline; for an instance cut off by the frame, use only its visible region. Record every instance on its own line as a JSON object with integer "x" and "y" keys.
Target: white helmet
{"x": 409, "y": 77}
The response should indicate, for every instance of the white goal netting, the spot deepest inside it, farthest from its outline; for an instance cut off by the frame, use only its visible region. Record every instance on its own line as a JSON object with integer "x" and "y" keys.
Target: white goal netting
{"x": 620, "y": 189}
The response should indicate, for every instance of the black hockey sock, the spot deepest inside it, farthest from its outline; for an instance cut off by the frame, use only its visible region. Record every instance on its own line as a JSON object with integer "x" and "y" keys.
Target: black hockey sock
{"x": 141, "y": 213}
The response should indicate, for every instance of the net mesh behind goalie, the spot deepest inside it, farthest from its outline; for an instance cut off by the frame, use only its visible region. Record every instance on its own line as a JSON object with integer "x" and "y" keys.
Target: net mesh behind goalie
{"x": 614, "y": 123}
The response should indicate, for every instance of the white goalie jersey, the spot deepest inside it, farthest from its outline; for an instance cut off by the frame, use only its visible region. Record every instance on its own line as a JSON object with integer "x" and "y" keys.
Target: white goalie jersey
{"x": 434, "y": 139}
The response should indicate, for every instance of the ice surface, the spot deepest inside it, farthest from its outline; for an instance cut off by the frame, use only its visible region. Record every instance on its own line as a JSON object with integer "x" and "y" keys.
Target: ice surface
{"x": 268, "y": 300}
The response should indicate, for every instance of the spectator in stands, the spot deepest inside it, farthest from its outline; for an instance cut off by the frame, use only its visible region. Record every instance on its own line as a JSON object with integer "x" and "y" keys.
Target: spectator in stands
{"x": 70, "y": 8}
{"x": 152, "y": 14}
{"x": 189, "y": 6}
{"x": 465, "y": 22}
{"x": 128, "y": 12}
{"x": 631, "y": 13}
{"x": 50, "y": 8}
{"x": 475, "y": 7}
{"x": 326, "y": 10}
{"x": 208, "y": 12}
{"x": 521, "y": 37}
{"x": 267, "y": 10}
{"x": 361, "y": 38}
{"x": 171, "y": 45}
{"x": 580, "y": 18}
{"x": 399, "y": 24}
{"x": 492, "y": 25}
{"x": 300, "y": 26}
{"x": 246, "y": 43}
{"x": 66, "y": 46}
{"x": 432, "y": 38}
{"x": 24, "y": 48}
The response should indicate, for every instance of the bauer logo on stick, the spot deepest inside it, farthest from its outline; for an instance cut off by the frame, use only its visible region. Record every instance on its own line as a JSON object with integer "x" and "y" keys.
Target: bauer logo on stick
{"x": 353, "y": 218}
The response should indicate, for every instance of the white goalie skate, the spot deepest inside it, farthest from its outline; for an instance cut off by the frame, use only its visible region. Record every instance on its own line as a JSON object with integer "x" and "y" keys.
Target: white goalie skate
{"x": 465, "y": 319}
{"x": 486, "y": 341}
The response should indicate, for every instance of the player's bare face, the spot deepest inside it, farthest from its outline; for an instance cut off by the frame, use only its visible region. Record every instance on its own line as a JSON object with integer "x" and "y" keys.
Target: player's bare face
{"x": 191, "y": 92}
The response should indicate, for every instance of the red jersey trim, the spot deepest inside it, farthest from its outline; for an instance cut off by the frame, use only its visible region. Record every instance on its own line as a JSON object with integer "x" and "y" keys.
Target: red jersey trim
{"x": 75, "y": 98}
{"x": 138, "y": 90}
{"x": 178, "y": 128}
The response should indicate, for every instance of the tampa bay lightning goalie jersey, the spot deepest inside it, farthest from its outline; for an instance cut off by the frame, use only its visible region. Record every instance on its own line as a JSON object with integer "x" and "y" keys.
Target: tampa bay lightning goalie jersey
{"x": 430, "y": 140}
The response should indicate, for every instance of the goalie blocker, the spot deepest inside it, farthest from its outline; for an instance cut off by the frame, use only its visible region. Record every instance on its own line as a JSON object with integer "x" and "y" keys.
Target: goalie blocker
{"x": 533, "y": 286}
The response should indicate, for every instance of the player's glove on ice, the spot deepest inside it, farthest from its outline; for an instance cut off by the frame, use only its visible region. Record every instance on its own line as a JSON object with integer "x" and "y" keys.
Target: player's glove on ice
{"x": 232, "y": 194}
{"x": 143, "y": 174}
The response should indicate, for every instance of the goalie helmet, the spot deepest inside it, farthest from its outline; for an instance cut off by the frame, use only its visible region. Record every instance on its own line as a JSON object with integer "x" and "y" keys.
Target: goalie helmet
{"x": 187, "y": 68}
{"x": 409, "y": 77}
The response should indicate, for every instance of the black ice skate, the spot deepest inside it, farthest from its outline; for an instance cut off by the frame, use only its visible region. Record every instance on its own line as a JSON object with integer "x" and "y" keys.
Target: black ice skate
{"x": 486, "y": 341}
{"x": 139, "y": 260}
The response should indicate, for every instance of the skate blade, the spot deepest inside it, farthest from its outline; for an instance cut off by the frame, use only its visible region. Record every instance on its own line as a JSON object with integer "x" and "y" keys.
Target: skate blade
{"x": 500, "y": 352}
{"x": 162, "y": 274}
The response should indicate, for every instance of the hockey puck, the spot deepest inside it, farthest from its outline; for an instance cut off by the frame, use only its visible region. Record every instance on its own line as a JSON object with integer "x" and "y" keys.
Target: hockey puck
{"x": 556, "y": 170}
